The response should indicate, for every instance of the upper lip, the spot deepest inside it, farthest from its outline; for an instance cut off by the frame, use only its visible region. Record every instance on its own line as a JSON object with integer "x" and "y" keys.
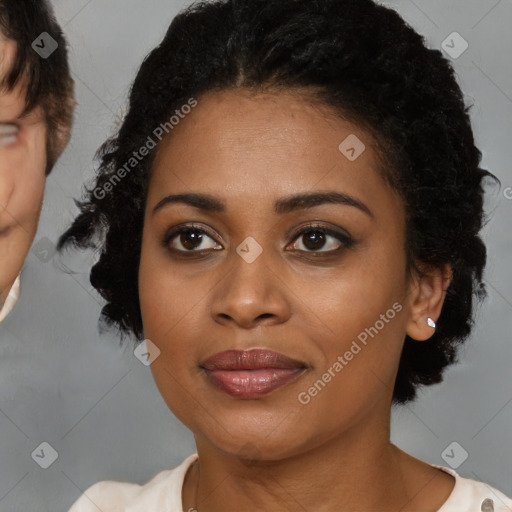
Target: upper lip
{"x": 253, "y": 359}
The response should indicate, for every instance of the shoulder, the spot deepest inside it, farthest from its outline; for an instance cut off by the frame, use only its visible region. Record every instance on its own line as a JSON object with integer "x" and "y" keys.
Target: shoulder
{"x": 163, "y": 489}
{"x": 469, "y": 494}
{"x": 107, "y": 495}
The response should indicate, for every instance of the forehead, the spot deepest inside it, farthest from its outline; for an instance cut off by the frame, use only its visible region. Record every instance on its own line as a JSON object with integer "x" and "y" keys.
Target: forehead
{"x": 253, "y": 155}
{"x": 7, "y": 55}
{"x": 250, "y": 149}
{"x": 249, "y": 133}
{"x": 12, "y": 102}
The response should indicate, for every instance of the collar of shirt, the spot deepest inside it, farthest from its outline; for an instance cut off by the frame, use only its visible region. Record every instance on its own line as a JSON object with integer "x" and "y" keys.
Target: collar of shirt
{"x": 11, "y": 300}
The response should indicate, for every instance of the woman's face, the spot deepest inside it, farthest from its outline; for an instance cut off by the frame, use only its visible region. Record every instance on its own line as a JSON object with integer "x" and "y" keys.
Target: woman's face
{"x": 22, "y": 174}
{"x": 250, "y": 281}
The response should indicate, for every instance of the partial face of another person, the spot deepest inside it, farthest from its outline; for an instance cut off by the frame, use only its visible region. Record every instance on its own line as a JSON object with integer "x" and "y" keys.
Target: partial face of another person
{"x": 307, "y": 296}
{"x": 22, "y": 174}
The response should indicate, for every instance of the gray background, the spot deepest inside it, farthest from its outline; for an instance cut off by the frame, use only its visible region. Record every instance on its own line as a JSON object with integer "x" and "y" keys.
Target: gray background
{"x": 96, "y": 404}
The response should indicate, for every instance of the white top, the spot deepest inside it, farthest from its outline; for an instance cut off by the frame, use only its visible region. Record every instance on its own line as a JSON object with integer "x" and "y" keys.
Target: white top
{"x": 11, "y": 300}
{"x": 163, "y": 494}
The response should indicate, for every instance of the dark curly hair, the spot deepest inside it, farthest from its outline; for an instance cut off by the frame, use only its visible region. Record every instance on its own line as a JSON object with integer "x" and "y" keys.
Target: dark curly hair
{"x": 356, "y": 56}
{"x": 48, "y": 81}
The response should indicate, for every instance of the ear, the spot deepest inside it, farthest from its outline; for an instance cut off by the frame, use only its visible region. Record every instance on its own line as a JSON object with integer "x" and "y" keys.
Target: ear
{"x": 427, "y": 294}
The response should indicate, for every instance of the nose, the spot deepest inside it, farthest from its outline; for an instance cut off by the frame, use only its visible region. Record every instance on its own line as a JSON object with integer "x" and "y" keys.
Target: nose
{"x": 251, "y": 293}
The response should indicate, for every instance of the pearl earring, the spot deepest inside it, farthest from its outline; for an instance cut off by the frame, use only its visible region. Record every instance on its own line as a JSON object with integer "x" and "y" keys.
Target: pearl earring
{"x": 431, "y": 323}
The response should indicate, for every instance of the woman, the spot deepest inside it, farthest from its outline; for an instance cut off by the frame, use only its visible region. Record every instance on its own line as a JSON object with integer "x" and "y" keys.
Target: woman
{"x": 289, "y": 216}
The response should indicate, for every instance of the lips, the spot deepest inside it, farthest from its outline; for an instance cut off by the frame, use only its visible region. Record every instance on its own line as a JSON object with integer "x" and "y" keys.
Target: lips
{"x": 250, "y": 360}
{"x": 250, "y": 374}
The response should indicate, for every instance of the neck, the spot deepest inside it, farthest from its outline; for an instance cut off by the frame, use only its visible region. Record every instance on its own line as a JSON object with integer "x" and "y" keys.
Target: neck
{"x": 353, "y": 471}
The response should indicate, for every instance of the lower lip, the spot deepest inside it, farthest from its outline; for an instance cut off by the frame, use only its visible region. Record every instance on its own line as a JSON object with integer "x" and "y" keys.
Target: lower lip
{"x": 249, "y": 384}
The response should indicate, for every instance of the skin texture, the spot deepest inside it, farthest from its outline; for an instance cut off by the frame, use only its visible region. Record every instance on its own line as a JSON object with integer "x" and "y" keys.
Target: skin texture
{"x": 274, "y": 453}
{"x": 22, "y": 177}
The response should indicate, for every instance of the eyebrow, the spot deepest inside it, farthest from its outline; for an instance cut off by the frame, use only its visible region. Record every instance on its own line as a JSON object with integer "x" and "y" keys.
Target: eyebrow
{"x": 281, "y": 206}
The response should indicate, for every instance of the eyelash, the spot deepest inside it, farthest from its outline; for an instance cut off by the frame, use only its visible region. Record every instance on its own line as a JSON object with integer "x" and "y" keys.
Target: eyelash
{"x": 346, "y": 241}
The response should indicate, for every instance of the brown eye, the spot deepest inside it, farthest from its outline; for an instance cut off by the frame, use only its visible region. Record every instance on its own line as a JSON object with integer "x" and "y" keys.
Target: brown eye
{"x": 320, "y": 239}
{"x": 190, "y": 239}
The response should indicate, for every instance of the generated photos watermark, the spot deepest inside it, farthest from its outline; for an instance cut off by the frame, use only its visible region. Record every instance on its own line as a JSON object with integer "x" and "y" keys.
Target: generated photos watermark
{"x": 304, "y": 397}
{"x": 158, "y": 133}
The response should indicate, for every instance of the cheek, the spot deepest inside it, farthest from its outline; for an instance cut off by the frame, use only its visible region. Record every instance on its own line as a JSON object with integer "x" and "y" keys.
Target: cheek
{"x": 352, "y": 297}
{"x": 358, "y": 314}
{"x": 170, "y": 319}
{"x": 355, "y": 375}
{"x": 22, "y": 203}
{"x": 23, "y": 180}
{"x": 169, "y": 301}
